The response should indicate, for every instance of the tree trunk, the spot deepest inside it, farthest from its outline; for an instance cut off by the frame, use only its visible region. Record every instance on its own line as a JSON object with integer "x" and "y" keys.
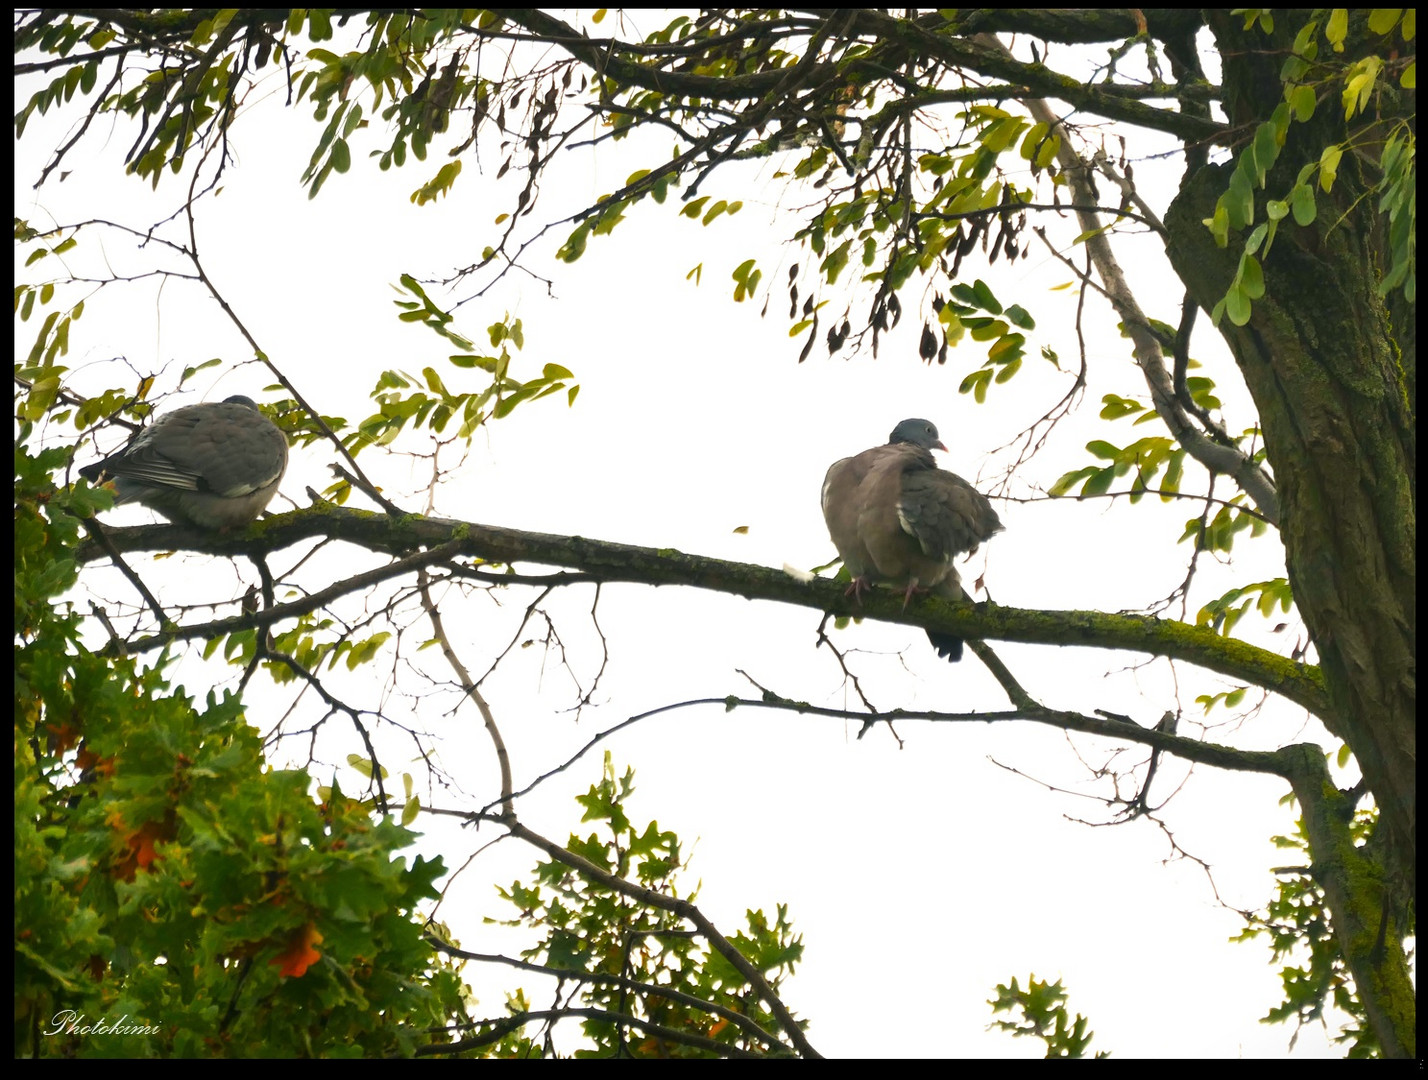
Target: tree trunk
{"x": 1333, "y": 385}
{"x": 1333, "y": 381}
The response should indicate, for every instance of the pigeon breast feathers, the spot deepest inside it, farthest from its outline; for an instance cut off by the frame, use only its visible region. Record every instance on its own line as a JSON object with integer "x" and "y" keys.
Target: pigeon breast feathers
{"x": 898, "y": 520}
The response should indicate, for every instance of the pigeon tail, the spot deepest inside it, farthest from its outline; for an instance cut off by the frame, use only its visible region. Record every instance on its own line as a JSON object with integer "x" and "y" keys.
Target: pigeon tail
{"x": 946, "y": 645}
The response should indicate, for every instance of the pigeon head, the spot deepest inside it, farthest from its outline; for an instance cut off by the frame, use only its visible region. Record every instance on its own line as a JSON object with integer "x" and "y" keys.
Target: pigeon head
{"x": 921, "y": 433}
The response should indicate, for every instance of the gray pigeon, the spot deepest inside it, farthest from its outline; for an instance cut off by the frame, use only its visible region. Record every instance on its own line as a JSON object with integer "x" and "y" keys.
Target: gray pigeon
{"x": 214, "y": 465}
{"x": 899, "y": 520}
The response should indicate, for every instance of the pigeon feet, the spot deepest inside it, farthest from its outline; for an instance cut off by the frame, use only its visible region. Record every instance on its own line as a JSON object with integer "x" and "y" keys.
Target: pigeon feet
{"x": 861, "y": 584}
{"x": 912, "y": 590}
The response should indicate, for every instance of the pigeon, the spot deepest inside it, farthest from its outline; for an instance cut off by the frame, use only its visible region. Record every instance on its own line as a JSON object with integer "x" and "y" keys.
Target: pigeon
{"x": 215, "y": 465}
{"x": 899, "y": 520}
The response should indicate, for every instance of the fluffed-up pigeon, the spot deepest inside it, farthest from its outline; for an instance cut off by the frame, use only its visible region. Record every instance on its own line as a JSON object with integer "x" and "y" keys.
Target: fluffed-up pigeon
{"x": 899, "y": 520}
{"x": 214, "y": 465}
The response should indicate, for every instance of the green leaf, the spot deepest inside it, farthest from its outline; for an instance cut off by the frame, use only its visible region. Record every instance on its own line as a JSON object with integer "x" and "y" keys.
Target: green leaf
{"x": 985, "y": 298}
{"x": 1266, "y": 149}
{"x": 1029, "y": 145}
{"x": 1005, "y": 348}
{"x": 998, "y": 136}
{"x": 1100, "y": 482}
{"x": 1237, "y": 306}
{"x": 1047, "y": 154}
{"x": 1019, "y": 316}
{"x": 1251, "y": 278}
{"x": 439, "y": 184}
{"x": 1240, "y": 200}
{"x": 1114, "y": 407}
{"x": 1065, "y": 483}
{"x": 574, "y": 245}
{"x": 976, "y": 384}
{"x": 1392, "y": 151}
{"x": 1083, "y": 237}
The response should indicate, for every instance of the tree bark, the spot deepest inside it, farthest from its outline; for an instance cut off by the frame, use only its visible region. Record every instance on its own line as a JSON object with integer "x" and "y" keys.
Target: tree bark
{"x": 1332, "y": 384}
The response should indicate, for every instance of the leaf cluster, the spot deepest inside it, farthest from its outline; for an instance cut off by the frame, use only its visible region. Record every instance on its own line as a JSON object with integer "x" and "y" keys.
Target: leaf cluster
{"x": 1043, "y": 1016}
{"x": 1307, "y": 77}
{"x": 165, "y": 875}
{"x": 629, "y": 959}
{"x": 1298, "y": 926}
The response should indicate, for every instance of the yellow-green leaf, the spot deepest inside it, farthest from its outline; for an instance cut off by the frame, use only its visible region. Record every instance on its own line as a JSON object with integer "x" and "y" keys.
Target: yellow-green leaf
{"x": 1329, "y": 166}
{"x": 1382, "y": 20}
{"x": 1337, "y": 28}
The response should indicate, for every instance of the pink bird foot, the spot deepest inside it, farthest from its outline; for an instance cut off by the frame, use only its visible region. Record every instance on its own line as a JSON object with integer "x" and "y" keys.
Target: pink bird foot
{"x": 912, "y": 590}
{"x": 860, "y": 585}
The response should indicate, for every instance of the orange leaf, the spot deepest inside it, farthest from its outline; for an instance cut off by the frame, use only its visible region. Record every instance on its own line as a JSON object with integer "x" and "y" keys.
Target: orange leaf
{"x": 300, "y": 954}
{"x": 87, "y": 759}
{"x": 63, "y": 736}
{"x": 139, "y": 853}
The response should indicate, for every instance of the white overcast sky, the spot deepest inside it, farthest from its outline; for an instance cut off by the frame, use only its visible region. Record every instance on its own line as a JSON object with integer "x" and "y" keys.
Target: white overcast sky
{"x": 919, "y": 876}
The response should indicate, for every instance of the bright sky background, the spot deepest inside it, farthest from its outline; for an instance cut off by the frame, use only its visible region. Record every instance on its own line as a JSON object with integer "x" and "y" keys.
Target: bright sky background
{"x": 920, "y": 876}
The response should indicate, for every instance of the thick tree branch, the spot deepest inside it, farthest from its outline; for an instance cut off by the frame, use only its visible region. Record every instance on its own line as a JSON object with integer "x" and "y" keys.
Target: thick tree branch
{"x": 917, "y": 37}
{"x": 1361, "y": 900}
{"x": 1081, "y": 26}
{"x": 605, "y": 561}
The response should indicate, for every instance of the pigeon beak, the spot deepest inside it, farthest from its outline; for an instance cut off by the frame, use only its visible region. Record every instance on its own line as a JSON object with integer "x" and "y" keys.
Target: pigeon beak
{"x": 939, "y": 446}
